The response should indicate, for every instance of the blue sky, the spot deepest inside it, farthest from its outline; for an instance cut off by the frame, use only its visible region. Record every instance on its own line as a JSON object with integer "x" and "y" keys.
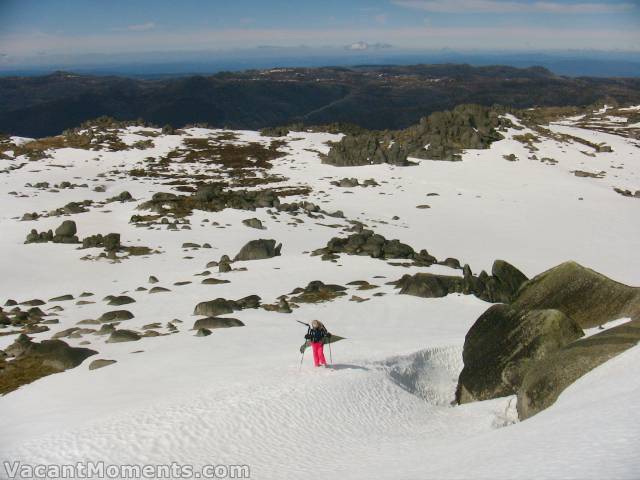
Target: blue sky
{"x": 76, "y": 27}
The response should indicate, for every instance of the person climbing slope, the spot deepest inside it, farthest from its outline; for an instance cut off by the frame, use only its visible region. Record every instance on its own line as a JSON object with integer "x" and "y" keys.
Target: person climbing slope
{"x": 316, "y": 335}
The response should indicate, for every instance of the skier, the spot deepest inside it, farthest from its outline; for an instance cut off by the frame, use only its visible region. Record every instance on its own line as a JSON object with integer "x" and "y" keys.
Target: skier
{"x": 316, "y": 335}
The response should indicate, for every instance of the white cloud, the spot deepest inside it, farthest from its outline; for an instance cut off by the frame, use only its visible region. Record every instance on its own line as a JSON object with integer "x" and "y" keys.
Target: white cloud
{"x": 358, "y": 46}
{"x": 141, "y": 27}
{"x": 508, "y": 6}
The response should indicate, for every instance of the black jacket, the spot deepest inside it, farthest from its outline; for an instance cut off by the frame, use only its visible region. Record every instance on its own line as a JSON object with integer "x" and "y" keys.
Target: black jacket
{"x": 317, "y": 334}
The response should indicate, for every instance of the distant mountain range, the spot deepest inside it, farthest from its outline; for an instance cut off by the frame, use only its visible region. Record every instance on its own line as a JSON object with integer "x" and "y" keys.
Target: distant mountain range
{"x": 374, "y": 97}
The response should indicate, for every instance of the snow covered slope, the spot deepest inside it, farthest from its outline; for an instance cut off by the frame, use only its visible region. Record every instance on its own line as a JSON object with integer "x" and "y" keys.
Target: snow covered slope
{"x": 239, "y": 395}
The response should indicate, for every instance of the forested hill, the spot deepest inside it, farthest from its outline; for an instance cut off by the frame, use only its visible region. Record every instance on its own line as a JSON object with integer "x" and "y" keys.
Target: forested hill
{"x": 374, "y": 97}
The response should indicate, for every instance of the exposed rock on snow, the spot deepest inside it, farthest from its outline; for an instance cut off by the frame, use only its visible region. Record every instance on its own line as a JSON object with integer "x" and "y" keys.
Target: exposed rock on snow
{"x": 253, "y": 223}
{"x": 627, "y": 193}
{"x": 501, "y": 286}
{"x": 203, "y": 332}
{"x": 282, "y": 306}
{"x": 116, "y": 316}
{"x": 35, "y": 360}
{"x": 369, "y": 243}
{"x": 62, "y": 298}
{"x": 65, "y": 233}
{"x": 118, "y": 336}
{"x": 429, "y": 285}
{"x": 110, "y": 242}
{"x": 354, "y": 182}
{"x": 224, "y": 265}
{"x": 122, "y": 197}
{"x": 441, "y": 136}
{"x": 547, "y": 378}
{"x": 221, "y": 306}
{"x": 100, "y": 362}
{"x": 119, "y": 300}
{"x": 159, "y": 290}
{"x": 365, "y": 149}
{"x": 317, "y": 291}
{"x": 588, "y": 297}
{"x": 258, "y": 250}
{"x": 214, "y": 281}
{"x": 502, "y": 342}
{"x": 216, "y": 322}
{"x": 67, "y": 229}
{"x": 211, "y": 198}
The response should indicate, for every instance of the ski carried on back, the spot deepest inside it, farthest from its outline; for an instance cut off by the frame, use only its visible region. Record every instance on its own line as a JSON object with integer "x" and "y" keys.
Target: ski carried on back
{"x": 317, "y": 337}
{"x": 325, "y": 341}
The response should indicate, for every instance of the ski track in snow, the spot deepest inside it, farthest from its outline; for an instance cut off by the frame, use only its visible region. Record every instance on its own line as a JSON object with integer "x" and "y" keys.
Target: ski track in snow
{"x": 383, "y": 411}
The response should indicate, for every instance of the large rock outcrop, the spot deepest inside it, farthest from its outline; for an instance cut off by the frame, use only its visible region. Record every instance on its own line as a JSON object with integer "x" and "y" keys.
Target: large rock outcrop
{"x": 532, "y": 346}
{"x": 547, "y": 378}
{"x": 588, "y": 297}
{"x": 54, "y": 353}
{"x": 443, "y": 135}
{"x": 36, "y": 360}
{"x": 440, "y": 136}
{"x": 501, "y": 344}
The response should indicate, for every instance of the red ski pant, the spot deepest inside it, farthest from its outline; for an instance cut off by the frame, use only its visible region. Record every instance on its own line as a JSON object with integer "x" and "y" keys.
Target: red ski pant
{"x": 318, "y": 354}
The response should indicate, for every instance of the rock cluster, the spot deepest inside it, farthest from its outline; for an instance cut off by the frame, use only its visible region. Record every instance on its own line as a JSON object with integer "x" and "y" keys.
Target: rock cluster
{"x": 211, "y": 198}
{"x": 317, "y": 291}
{"x": 501, "y": 286}
{"x": 311, "y": 209}
{"x": 627, "y": 193}
{"x": 65, "y": 233}
{"x": 71, "y": 208}
{"x": 28, "y": 321}
{"x": 354, "y": 182}
{"x": 110, "y": 242}
{"x": 366, "y": 242}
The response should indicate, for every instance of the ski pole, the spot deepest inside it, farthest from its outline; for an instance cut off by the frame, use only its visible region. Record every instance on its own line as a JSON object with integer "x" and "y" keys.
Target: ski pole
{"x": 301, "y": 360}
{"x": 330, "y": 355}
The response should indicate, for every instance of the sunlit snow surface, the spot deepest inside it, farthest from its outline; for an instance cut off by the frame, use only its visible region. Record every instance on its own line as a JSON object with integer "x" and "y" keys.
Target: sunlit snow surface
{"x": 384, "y": 410}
